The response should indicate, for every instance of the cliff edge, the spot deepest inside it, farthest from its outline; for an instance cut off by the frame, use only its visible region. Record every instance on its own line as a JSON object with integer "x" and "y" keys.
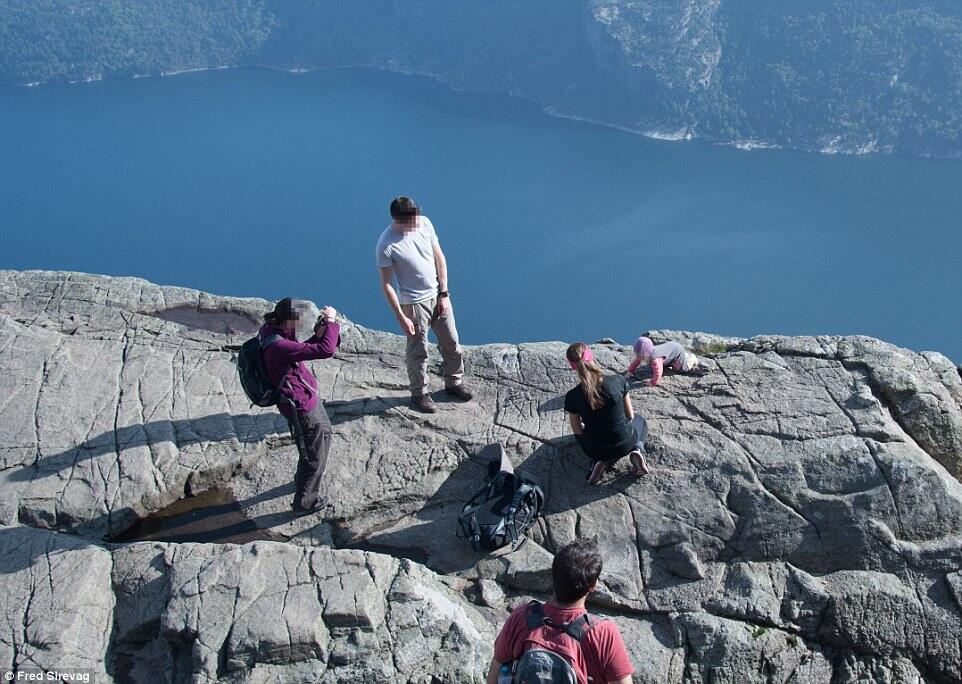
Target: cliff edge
{"x": 802, "y": 522}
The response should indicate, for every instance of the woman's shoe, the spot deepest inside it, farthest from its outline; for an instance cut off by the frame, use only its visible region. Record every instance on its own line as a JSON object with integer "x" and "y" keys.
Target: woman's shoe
{"x": 300, "y": 511}
{"x": 599, "y": 469}
{"x": 638, "y": 461}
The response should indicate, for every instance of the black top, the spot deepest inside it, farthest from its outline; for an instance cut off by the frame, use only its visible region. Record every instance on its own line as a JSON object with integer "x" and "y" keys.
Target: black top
{"x": 608, "y": 435}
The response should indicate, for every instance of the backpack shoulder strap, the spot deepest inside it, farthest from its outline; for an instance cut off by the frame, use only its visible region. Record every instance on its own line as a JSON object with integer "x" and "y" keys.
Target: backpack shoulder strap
{"x": 576, "y": 629}
{"x": 523, "y": 488}
{"x": 269, "y": 340}
{"x": 534, "y": 615}
{"x": 582, "y": 625}
{"x": 265, "y": 343}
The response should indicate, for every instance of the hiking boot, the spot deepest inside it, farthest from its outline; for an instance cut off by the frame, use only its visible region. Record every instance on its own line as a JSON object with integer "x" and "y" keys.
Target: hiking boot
{"x": 638, "y": 461}
{"x": 459, "y": 392}
{"x": 301, "y": 510}
{"x": 424, "y": 403}
{"x": 599, "y": 469}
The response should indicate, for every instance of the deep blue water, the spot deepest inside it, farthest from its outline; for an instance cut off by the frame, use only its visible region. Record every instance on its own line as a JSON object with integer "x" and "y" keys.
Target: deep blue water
{"x": 253, "y": 182}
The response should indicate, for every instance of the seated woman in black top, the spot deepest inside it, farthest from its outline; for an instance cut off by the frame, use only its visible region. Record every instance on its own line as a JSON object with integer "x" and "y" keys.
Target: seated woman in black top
{"x": 602, "y": 418}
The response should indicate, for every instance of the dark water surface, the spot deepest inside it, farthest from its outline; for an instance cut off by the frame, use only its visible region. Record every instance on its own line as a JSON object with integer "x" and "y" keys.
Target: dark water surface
{"x": 251, "y": 182}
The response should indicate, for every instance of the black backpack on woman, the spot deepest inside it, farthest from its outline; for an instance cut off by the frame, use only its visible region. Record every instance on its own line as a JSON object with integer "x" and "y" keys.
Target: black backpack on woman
{"x": 253, "y": 375}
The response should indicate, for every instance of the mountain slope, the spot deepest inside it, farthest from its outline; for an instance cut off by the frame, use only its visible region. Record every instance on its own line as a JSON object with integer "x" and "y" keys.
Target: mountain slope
{"x": 827, "y": 75}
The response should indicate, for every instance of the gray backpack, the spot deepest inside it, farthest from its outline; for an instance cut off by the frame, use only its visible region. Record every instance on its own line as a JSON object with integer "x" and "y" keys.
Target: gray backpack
{"x": 539, "y": 664}
{"x": 504, "y": 509}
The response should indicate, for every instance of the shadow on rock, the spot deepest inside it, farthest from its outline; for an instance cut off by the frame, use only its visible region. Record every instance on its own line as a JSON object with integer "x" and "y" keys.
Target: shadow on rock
{"x": 20, "y": 547}
{"x": 345, "y": 411}
{"x": 553, "y": 404}
{"x": 220, "y": 427}
{"x": 561, "y": 468}
{"x": 429, "y": 536}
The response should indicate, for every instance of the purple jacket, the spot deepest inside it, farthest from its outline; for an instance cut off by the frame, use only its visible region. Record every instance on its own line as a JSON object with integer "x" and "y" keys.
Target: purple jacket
{"x": 284, "y": 359}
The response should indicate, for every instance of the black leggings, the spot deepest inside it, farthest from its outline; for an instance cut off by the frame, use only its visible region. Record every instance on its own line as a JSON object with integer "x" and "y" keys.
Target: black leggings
{"x": 609, "y": 455}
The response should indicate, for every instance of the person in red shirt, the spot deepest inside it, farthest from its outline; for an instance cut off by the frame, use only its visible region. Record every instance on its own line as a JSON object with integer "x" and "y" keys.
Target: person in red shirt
{"x": 600, "y": 657}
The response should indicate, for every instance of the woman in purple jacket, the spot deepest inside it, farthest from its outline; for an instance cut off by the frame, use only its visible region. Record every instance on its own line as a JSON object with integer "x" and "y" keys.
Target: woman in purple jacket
{"x": 284, "y": 360}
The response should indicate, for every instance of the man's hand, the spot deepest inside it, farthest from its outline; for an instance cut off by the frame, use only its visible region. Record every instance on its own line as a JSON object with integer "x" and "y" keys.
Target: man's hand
{"x": 444, "y": 307}
{"x": 407, "y": 325}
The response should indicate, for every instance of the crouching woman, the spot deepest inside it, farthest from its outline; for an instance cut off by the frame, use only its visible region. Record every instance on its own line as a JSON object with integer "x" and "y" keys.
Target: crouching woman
{"x": 601, "y": 416}
{"x": 284, "y": 358}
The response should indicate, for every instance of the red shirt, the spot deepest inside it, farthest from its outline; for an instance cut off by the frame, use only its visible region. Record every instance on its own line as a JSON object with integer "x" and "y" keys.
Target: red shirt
{"x": 602, "y": 654}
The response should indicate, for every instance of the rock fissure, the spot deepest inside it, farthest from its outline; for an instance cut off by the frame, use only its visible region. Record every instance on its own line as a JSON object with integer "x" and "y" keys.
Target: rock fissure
{"x": 888, "y": 483}
{"x": 638, "y": 549}
{"x": 713, "y": 541}
{"x": 389, "y": 618}
{"x": 894, "y": 409}
{"x": 36, "y": 409}
{"x": 753, "y": 464}
{"x": 523, "y": 433}
{"x": 502, "y": 379}
{"x": 681, "y": 521}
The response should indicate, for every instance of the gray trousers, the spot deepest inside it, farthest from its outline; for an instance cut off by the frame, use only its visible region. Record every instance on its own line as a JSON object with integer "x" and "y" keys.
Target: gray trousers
{"x": 425, "y": 317}
{"x": 313, "y": 436}
{"x": 640, "y": 426}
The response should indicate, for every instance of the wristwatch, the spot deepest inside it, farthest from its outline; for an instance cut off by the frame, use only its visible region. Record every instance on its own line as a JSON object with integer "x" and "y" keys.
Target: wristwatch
{"x": 444, "y": 294}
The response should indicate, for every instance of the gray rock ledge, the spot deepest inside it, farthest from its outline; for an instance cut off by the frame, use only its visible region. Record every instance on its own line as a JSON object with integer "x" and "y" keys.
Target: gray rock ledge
{"x": 803, "y": 520}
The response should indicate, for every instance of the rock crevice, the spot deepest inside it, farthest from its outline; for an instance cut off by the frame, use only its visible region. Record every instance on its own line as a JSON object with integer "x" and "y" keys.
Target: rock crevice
{"x": 802, "y": 522}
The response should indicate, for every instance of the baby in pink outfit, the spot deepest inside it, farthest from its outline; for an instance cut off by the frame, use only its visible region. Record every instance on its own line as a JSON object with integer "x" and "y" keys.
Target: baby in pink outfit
{"x": 670, "y": 353}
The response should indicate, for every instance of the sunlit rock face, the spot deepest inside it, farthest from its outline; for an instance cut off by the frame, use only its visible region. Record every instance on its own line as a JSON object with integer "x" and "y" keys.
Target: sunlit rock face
{"x": 801, "y": 522}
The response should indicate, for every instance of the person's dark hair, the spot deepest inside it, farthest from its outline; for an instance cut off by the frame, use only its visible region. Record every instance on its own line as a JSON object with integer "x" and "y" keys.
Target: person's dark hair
{"x": 575, "y": 568}
{"x": 403, "y": 209}
{"x": 283, "y": 311}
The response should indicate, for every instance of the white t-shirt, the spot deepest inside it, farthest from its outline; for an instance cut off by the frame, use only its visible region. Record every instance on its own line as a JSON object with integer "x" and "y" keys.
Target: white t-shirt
{"x": 411, "y": 255}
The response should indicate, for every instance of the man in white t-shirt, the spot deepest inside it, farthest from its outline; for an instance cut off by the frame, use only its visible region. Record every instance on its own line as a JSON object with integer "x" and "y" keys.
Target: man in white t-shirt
{"x": 408, "y": 251}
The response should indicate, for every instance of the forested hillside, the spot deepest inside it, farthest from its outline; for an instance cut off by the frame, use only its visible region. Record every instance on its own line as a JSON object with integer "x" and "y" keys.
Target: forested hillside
{"x": 828, "y": 75}
{"x": 56, "y": 40}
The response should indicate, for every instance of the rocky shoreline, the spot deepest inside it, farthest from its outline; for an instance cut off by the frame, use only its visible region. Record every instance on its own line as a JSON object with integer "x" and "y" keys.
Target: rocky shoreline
{"x": 794, "y": 76}
{"x": 803, "y": 521}
{"x": 825, "y": 145}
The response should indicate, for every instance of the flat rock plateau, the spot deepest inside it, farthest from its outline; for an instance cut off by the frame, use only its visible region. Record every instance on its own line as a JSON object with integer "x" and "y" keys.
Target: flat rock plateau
{"x": 802, "y": 521}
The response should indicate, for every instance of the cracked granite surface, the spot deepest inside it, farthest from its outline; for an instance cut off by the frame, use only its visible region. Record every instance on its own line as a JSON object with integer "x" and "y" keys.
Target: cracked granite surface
{"x": 803, "y": 520}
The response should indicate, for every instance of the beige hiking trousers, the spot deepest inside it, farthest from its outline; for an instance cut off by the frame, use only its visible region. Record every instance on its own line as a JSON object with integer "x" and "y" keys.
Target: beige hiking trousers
{"x": 424, "y": 316}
